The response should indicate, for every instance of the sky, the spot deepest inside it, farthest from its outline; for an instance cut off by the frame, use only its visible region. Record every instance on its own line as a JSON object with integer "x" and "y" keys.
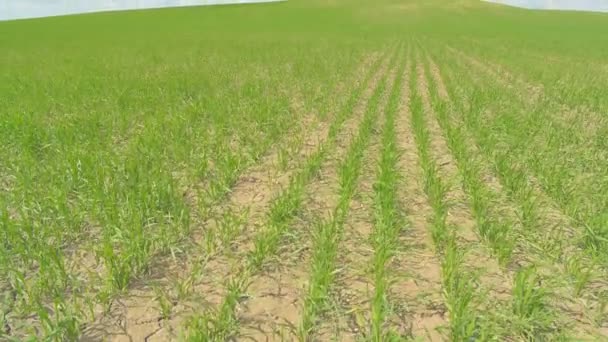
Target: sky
{"x": 582, "y": 5}
{"x": 17, "y": 9}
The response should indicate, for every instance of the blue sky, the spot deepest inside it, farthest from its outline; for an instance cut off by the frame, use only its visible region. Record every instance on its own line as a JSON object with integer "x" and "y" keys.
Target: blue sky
{"x": 14, "y": 9}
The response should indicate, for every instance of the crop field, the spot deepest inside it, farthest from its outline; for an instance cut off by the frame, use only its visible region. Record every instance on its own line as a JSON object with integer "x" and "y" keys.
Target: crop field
{"x": 319, "y": 170}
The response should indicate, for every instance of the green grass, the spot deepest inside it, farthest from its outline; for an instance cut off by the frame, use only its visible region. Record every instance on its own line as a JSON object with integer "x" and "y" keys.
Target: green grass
{"x": 123, "y": 133}
{"x": 220, "y": 325}
{"x": 328, "y": 233}
{"x": 457, "y": 283}
{"x": 388, "y": 220}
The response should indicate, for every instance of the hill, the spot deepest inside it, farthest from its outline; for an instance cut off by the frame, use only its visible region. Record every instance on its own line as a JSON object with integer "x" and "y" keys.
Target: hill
{"x": 305, "y": 170}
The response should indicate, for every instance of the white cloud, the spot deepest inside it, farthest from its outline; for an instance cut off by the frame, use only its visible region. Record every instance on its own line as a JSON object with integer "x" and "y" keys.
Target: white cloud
{"x": 587, "y": 5}
{"x": 17, "y": 9}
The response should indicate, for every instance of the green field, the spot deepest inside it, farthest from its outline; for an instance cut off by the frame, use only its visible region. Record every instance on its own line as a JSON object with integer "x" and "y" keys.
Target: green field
{"x": 311, "y": 170}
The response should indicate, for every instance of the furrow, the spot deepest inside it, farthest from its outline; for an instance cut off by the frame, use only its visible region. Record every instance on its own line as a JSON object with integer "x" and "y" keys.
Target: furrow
{"x": 569, "y": 117}
{"x": 186, "y": 285}
{"x": 477, "y": 258}
{"x": 491, "y": 227}
{"x": 349, "y": 298}
{"x": 274, "y": 302}
{"x": 459, "y": 215}
{"x": 542, "y": 239}
{"x": 388, "y": 225}
{"x": 161, "y": 301}
{"x": 537, "y": 206}
{"x": 497, "y": 222}
{"x": 457, "y": 291}
{"x": 417, "y": 281}
{"x": 329, "y": 231}
{"x": 503, "y": 77}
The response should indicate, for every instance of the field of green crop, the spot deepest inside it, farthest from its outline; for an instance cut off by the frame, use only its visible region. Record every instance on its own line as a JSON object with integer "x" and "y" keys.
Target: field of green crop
{"x": 311, "y": 170}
